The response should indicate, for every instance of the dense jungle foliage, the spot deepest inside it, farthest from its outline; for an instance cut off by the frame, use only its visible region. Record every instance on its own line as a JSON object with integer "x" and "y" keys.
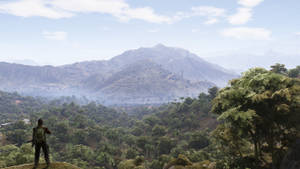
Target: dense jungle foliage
{"x": 251, "y": 123}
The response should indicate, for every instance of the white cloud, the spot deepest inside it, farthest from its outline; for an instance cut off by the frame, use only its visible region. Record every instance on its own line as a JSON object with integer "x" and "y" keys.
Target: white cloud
{"x": 244, "y": 13}
{"x": 212, "y": 13}
{"x": 146, "y": 14}
{"x": 56, "y": 9}
{"x": 211, "y": 21}
{"x": 246, "y": 33}
{"x": 117, "y": 8}
{"x": 85, "y": 6}
{"x": 298, "y": 33}
{"x": 29, "y": 8}
{"x": 209, "y": 11}
{"x": 58, "y": 35}
{"x": 250, "y": 3}
{"x": 241, "y": 17}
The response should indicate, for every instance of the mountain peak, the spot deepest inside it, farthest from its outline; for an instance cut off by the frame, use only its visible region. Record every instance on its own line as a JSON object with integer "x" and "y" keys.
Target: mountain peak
{"x": 160, "y": 45}
{"x": 178, "y": 61}
{"x": 163, "y": 48}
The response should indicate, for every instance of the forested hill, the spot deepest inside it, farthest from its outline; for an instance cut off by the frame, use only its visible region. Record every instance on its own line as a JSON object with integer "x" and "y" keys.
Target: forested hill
{"x": 14, "y": 106}
{"x": 145, "y": 75}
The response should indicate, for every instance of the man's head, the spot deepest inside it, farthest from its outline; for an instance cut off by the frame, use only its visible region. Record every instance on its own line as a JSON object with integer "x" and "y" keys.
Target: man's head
{"x": 40, "y": 122}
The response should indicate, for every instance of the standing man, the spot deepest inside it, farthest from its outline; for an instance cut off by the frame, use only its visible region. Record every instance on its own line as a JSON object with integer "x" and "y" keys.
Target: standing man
{"x": 39, "y": 141}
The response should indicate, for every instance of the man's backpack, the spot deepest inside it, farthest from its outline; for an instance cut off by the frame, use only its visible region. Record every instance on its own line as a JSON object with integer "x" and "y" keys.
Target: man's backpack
{"x": 40, "y": 135}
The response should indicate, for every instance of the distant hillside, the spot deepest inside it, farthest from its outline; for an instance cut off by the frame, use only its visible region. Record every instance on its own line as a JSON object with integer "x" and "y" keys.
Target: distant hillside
{"x": 179, "y": 61}
{"x": 146, "y": 82}
{"x": 41, "y": 166}
{"x": 146, "y": 75}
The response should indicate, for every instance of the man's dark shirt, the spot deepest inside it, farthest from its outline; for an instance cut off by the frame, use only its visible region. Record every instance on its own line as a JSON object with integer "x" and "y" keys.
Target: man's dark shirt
{"x": 46, "y": 130}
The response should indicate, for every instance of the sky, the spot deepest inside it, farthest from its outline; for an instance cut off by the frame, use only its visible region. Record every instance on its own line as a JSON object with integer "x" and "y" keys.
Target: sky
{"x": 58, "y": 32}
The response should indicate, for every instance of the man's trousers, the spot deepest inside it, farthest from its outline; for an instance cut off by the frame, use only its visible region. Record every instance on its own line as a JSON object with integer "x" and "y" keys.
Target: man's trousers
{"x": 45, "y": 148}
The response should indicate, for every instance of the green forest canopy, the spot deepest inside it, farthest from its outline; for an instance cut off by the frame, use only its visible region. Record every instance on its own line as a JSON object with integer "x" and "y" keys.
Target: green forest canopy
{"x": 249, "y": 124}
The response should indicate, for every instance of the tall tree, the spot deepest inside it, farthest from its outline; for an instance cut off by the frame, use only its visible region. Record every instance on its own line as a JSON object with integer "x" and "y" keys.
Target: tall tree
{"x": 213, "y": 92}
{"x": 294, "y": 72}
{"x": 263, "y": 108}
{"x": 279, "y": 68}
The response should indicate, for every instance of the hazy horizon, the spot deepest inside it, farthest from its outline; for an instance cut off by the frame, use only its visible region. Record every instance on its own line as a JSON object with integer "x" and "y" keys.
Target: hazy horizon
{"x": 237, "y": 65}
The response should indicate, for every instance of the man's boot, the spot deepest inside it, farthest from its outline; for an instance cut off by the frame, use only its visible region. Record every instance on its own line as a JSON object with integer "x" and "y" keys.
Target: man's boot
{"x": 48, "y": 164}
{"x": 35, "y": 166}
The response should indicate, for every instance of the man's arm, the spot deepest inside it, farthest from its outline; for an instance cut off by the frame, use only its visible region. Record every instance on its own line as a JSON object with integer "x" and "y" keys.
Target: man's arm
{"x": 47, "y": 130}
{"x": 33, "y": 136}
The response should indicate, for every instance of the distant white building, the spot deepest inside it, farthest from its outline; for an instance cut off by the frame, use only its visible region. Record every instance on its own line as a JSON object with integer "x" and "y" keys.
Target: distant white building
{"x": 4, "y": 124}
{"x": 26, "y": 121}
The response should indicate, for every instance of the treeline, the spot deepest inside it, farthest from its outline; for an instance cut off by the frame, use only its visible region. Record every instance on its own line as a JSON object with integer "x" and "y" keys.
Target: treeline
{"x": 249, "y": 124}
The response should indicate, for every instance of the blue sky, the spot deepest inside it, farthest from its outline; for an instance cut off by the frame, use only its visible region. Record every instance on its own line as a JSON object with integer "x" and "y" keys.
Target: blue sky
{"x": 65, "y": 31}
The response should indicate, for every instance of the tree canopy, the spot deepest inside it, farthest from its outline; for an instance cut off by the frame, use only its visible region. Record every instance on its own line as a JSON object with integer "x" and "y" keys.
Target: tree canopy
{"x": 251, "y": 123}
{"x": 261, "y": 108}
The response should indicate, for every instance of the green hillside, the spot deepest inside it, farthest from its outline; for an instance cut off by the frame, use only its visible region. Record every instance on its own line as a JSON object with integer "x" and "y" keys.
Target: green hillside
{"x": 41, "y": 166}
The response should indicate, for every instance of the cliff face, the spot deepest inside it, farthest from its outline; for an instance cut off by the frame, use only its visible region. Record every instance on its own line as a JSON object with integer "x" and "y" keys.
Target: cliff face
{"x": 41, "y": 166}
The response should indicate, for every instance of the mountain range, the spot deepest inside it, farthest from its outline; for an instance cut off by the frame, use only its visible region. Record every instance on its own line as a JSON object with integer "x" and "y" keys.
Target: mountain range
{"x": 146, "y": 75}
